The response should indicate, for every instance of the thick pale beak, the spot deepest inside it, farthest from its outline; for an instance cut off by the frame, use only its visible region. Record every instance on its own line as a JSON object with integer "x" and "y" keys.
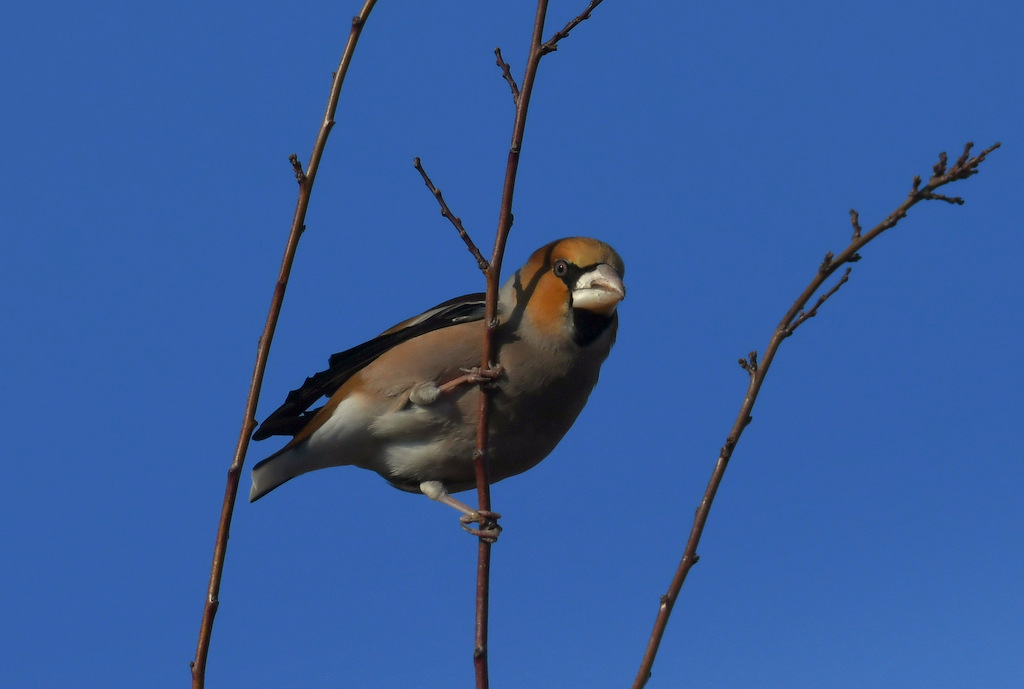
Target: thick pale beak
{"x": 599, "y": 290}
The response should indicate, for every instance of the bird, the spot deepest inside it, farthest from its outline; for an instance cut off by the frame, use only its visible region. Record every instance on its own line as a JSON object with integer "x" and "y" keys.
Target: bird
{"x": 405, "y": 404}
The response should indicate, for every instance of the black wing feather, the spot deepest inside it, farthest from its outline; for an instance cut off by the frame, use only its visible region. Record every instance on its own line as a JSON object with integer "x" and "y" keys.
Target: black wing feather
{"x": 292, "y": 416}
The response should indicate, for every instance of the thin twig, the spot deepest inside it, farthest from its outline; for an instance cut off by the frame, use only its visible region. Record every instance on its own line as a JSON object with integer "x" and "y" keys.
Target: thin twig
{"x": 855, "y": 221}
{"x": 803, "y": 316}
{"x": 506, "y": 72}
{"x": 481, "y": 262}
{"x": 300, "y": 174}
{"x": 963, "y": 168}
{"x": 305, "y": 179}
{"x": 551, "y": 44}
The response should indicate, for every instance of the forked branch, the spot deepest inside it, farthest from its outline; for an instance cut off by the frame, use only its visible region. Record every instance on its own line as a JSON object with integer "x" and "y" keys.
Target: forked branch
{"x": 964, "y": 167}
{"x": 492, "y": 271}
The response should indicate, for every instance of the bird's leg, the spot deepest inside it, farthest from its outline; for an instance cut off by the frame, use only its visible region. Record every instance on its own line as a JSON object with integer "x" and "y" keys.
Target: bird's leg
{"x": 435, "y": 490}
{"x": 487, "y": 520}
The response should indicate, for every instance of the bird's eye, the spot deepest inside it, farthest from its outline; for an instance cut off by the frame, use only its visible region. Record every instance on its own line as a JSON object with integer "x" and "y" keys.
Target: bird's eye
{"x": 561, "y": 268}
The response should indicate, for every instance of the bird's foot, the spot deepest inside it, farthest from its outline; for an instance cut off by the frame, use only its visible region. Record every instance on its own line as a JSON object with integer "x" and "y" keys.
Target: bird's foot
{"x": 488, "y": 521}
{"x": 474, "y": 375}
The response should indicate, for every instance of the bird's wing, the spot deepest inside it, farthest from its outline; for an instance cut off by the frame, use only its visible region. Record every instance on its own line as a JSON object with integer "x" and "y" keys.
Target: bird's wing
{"x": 292, "y": 416}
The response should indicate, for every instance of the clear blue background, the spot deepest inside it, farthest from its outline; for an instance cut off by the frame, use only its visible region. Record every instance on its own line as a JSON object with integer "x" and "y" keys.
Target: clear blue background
{"x": 868, "y": 532}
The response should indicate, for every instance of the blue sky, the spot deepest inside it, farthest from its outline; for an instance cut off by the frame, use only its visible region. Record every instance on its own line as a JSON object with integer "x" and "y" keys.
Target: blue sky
{"x": 868, "y": 532}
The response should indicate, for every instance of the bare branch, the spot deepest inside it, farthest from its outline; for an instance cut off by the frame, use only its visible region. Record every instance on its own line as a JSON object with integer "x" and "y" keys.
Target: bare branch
{"x": 493, "y": 274}
{"x": 456, "y": 221}
{"x": 521, "y": 96}
{"x": 506, "y": 72}
{"x": 552, "y": 43}
{"x": 306, "y": 179}
{"x": 964, "y": 167}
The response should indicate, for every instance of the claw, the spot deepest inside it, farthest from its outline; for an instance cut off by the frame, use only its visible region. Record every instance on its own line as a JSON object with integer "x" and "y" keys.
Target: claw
{"x": 474, "y": 375}
{"x": 488, "y": 521}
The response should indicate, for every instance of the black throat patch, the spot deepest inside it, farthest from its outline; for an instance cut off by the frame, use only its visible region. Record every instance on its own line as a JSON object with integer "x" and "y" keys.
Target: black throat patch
{"x": 588, "y": 326}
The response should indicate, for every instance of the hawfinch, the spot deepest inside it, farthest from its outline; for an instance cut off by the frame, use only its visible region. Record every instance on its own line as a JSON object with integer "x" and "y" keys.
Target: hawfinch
{"x": 405, "y": 404}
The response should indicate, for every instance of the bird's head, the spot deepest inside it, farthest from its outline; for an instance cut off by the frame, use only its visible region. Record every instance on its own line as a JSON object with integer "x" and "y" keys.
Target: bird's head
{"x": 571, "y": 287}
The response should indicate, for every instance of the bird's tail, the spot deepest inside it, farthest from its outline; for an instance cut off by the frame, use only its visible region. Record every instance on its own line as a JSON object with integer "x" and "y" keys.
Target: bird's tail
{"x": 278, "y": 468}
